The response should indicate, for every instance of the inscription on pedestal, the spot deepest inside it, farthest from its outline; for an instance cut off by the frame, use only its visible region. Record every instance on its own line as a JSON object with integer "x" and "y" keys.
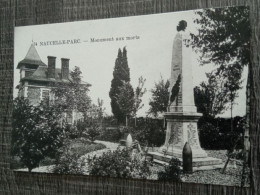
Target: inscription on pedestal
{"x": 176, "y": 133}
{"x": 192, "y": 136}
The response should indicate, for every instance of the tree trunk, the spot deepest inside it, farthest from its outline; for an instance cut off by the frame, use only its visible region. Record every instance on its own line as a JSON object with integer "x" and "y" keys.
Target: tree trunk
{"x": 231, "y": 150}
{"x": 231, "y": 117}
{"x": 254, "y": 69}
{"x": 126, "y": 121}
{"x": 246, "y": 132}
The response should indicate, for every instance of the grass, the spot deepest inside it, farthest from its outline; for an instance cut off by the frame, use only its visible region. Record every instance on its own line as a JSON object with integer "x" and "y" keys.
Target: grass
{"x": 83, "y": 146}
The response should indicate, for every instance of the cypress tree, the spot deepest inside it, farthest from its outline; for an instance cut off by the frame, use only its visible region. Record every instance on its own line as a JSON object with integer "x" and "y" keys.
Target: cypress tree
{"x": 121, "y": 74}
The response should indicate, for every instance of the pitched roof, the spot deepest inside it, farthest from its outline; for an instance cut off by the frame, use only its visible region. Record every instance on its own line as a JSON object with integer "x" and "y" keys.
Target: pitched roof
{"x": 32, "y": 57}
{"x": 41, "y": 74}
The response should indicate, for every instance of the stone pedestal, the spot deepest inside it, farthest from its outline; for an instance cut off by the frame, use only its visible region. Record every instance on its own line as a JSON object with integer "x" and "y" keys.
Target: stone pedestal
{"x": 182, "y": 128}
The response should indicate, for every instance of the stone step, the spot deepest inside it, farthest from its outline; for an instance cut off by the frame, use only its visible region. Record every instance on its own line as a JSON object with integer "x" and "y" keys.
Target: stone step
{"x": 200, "y": 168}
{"x": 196, "y": 162}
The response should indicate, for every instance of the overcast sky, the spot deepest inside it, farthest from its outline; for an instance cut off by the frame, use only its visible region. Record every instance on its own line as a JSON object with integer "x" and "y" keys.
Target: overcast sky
{"x": 149, "y": 56}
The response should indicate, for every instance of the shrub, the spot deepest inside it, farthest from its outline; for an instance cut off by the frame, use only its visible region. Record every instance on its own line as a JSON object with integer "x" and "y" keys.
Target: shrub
{"x": 151, "y": 133}
{"x": 209, "y": 137}
{"x": 47, "y": 161}
{"x": 68, "y": 162}
{"x": 215, "y": 133}
{"x": 93, "y": 131}
{"x": 111, "y": 134}
{"x": 69, "y": 159}
{"x": 119, "y": 164}
{"x": 171, "y": 172}
{"x": 16, "y": 163}
{"x": 71, "y": 131}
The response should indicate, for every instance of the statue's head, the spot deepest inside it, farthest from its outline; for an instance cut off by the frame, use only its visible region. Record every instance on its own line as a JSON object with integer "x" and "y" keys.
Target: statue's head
{"x": 182, "y": 26}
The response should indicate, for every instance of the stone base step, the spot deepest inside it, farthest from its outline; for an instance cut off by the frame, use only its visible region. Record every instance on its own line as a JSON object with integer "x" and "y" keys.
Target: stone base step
{"x": 196, "y": 162}
{"x": 201, "y": 168}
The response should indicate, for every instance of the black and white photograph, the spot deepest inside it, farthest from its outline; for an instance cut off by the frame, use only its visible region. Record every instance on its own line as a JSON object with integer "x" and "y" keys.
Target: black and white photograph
{"x": 155, "y": 97}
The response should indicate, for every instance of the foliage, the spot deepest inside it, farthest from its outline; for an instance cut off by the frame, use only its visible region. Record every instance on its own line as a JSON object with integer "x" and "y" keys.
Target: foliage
{"x": 175, "y": 90}
{"x": 160, "y": 97}
{"x": 72, "y": 95}
{"x": 79, "y": 128}
{"x": 139, "y": 92}
{"x": 47, "y": 161}
{"x": 36, "y": 132}
{"x": 223, "y": 39}
{"x": 121, "y": 74}
{"x": 215, "y": 133}
{"x": 96, "y": 111}
{"x": 111, "y": 134}
{"x": 118, "y": 164}
{"x": 125, "y": 99}
{"x": 209, "y": 136}
{"x": 72, "y": 131}
{"x": 93, "y": 131}
{"x": 171, "y": 172}
{"x": 69, "y": 159}
{"x": 151, "y": 133}
{"x": 211, "y": 97}
{"x": 68, "y": 162}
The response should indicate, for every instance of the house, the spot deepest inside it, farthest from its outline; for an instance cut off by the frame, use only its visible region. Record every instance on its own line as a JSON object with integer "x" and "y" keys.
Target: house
{"x": 37, "y": 78}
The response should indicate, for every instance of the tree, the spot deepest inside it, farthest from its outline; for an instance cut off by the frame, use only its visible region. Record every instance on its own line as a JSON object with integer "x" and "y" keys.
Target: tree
{"x": 36, "y": 132}
{"x": 121, "y": 74}
{"x": 125, "y": 100}
{"x": 211, "y": 97}
{"x": 93, "y": 131}
{"x": 223, "y": 39}
{"x": 139, "y": 92}
{"x": 72, "y": 95}
{"x": 231, "y": 87}
{"x": 160, "y": 97}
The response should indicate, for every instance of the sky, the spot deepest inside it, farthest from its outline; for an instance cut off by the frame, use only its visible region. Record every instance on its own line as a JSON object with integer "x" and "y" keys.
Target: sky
{"x": 149, "y": 51}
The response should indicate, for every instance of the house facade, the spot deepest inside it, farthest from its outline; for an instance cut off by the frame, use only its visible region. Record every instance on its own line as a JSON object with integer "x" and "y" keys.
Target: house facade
{"x": 37, "y": 78}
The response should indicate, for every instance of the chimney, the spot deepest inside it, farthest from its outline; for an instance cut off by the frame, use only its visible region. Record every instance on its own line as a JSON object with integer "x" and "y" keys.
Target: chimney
{"x": 65, "y": 68}
{"x": 51, "y": 66}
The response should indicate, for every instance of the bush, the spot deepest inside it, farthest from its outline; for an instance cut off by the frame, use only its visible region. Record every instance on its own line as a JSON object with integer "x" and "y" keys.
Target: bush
{"x": 209, "y": 136}
{"x": 71, "y": 131}
{"x": 120, "y": 164}
{"x": 111, "y": 134}
{"x": 69, "y": 159}
{"x": 151, "y": 133}
{"x": 47, "y": 161}
{"x": 171, "y": 172}
{"x": 93, "y": 131}
{"x": 68, "y": 162}
{"x": 215, "y": 133}
{"x": 16, "y": 163}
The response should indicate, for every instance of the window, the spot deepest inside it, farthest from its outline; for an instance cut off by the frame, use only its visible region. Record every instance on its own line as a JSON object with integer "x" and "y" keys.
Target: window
{"x": 45, "y": 94}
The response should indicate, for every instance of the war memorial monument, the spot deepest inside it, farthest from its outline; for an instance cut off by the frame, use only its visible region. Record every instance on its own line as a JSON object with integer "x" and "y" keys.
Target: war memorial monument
{"x": 182, "y": 116}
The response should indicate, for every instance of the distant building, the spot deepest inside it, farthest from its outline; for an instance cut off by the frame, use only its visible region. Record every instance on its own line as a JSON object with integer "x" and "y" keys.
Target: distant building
{"x": 36, "y": 79}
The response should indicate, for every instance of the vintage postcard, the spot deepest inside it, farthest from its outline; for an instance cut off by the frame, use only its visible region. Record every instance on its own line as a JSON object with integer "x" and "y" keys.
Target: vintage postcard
{"x": 160, "y": 97}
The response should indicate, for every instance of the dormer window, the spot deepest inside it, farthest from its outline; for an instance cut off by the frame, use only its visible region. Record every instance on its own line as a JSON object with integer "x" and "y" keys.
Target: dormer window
{"x": 28, "y": 73}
